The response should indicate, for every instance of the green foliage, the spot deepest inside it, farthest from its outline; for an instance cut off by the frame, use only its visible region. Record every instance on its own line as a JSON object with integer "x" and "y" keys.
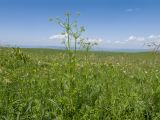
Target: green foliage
{"x": 115, "y": 86}
{"x": 73, "y": 34}
{"x": 70, "y": 29}
{"x": 17, "y": 54}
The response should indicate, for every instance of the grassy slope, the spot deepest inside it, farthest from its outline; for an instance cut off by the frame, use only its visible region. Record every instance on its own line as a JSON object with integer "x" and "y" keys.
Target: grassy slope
{"x": 111, "y": 86}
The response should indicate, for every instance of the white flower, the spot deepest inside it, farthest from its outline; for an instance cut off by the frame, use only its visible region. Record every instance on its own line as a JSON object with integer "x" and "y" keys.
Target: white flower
{"x": 92, "y": 41}
{"x": 145, "y": 72}
{"x": 117, "y": 63}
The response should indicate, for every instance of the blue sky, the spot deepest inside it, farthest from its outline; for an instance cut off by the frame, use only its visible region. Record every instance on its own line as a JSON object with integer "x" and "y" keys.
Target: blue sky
{"x": 119, "y": 23}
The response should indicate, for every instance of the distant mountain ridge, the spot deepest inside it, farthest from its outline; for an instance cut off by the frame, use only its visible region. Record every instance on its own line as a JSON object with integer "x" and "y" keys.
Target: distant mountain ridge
{"x": 94, "y": 49}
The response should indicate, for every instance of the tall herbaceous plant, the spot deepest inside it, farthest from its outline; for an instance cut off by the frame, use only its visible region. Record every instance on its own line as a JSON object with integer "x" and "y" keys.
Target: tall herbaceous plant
{"x": 73, "y": 37}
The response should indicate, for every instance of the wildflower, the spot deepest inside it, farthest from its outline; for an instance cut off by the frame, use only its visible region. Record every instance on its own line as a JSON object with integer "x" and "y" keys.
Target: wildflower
{"x": 145, "y": 72}
{"x": 92, "y": 41}
{"x": 131, "y": 76}
{"x": 7, "y": 81}
{"x": 124, "y": 72}
{"x": 39, "y": 62}
{"x": 118, "y": 64}
{"x": 97, "y": 41}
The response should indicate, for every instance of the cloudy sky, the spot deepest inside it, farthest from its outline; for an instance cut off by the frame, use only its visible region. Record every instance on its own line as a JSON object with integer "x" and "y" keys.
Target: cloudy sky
{"x": 116, "y": 23}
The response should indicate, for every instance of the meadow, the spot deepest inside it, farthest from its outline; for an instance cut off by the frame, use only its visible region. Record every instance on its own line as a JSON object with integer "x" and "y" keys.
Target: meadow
{"x": 40, "y": 84}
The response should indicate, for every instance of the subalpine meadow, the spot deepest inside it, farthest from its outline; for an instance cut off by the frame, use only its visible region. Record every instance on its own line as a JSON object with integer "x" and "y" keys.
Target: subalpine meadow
{"x": 77, "y": 83}
{"x": 41, "y": 84}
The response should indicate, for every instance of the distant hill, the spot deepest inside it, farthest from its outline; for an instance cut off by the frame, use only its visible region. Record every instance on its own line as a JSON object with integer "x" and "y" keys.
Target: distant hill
{"x": 94, "y": 49}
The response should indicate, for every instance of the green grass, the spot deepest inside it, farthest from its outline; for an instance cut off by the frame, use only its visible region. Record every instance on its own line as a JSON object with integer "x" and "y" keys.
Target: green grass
{"x": 36, "y": 84}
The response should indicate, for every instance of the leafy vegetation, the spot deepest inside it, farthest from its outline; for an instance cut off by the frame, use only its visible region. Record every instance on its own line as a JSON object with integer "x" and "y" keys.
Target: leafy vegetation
{"x": 46, "y": 84}
{"x": 36, "y": 84}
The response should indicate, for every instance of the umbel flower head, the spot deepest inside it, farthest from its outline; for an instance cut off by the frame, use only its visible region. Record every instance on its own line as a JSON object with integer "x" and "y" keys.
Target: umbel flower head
{"x": 89, "y": 43}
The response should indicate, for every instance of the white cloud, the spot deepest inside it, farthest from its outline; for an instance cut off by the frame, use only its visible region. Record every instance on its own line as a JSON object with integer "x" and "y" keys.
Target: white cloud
{"x": 132, "y": 41}
{"x": 154, "y": 37}
{"x": 141, "y": 39}
{"x": 151, "y": 36}
{"x": 97, "y": 40}
{"x": 133, "y": 38}
{"x": 107, "y": 41}
{"x": 58, "y": 37}
{"x": 63, "y": 38}
{"x": 93, "y": 40}
{"x": 119, "y": 42}
{"x": 132, "y": 9}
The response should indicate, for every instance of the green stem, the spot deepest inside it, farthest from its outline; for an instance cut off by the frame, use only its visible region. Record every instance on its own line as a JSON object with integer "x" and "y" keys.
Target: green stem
{"x": 68, "y": 32}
